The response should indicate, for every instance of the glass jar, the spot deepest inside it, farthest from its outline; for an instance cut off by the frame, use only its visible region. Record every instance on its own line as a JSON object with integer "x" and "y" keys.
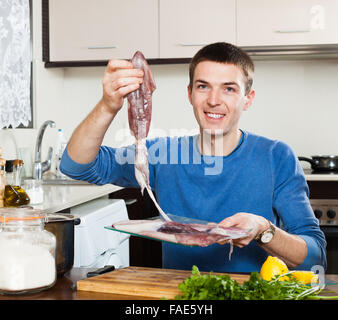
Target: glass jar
{"x": 27, "y": 252}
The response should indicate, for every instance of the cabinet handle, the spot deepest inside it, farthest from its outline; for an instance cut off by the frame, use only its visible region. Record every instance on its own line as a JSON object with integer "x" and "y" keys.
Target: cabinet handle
{"x": 292, "y": 31}
{"x": 102, "y": 47}
{"x": 192, "y": 44}
{"x": 130, "y": 201}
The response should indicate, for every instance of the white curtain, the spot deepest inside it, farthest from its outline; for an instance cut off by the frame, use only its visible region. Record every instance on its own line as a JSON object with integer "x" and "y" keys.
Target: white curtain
{"x": 15, "y": 63}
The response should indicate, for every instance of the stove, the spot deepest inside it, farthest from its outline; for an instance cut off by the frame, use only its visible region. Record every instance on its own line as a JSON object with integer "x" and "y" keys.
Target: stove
{"x": 323, "y": 188}
{"x": 326, "y": 211}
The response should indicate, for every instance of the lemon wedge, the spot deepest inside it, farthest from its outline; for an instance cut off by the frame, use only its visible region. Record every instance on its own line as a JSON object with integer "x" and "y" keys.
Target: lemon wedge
{"x": 305, "y": 277}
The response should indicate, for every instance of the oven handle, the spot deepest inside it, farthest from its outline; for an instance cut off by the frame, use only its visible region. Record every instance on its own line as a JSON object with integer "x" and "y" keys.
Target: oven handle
{"x": 330, "y": 230}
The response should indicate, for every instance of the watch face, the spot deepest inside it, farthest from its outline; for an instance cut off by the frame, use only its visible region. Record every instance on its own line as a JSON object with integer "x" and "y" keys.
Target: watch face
{"x": 266, "y": 237}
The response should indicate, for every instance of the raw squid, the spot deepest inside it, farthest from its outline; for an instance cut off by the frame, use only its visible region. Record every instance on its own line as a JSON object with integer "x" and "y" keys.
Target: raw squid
{"x": 193, "y": 234}
{"x": 139, "y": 118}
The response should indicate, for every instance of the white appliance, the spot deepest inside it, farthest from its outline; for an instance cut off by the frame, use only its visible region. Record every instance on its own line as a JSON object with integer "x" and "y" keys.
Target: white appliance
{"x": 94, "y": 245}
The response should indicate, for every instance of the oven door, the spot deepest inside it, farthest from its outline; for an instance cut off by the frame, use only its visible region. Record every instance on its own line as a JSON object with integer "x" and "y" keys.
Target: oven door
{"x": 331, "y": 235}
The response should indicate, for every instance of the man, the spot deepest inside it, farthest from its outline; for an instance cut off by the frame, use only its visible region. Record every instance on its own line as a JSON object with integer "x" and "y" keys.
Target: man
{"x": 253, "y": 182}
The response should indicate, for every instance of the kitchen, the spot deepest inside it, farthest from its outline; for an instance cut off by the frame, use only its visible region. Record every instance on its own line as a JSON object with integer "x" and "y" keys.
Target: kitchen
{"x": 298, "y": 91}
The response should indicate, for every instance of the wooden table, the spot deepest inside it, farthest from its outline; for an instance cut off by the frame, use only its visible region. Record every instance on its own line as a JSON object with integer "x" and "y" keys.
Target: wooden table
{"x": 65, "y": 289}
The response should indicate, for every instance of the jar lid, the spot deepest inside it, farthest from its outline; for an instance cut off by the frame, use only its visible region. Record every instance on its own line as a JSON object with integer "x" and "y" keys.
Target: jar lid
{"x": 20, "y": 214}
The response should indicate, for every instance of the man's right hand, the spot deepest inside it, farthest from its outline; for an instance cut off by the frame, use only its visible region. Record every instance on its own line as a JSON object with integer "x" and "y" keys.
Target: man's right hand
{"x": 120, "y": 78}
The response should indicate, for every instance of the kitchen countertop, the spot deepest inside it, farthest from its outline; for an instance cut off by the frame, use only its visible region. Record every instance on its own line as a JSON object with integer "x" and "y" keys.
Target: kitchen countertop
{"x": 61, "y": 197}
{"x": 310, "y": 176}
{"x": 65, "y": 289}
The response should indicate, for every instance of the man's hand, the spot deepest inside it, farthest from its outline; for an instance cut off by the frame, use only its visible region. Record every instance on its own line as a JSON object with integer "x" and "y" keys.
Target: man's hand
{"x": 244, "y": 220}
{"x": 120, "y": 78}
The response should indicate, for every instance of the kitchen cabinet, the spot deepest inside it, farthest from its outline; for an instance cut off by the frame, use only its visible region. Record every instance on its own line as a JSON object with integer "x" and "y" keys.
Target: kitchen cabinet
{"x": 286, "y": 22}
{"x": 99, "y": 30}
{"x": 84, "y": 33}
{"x": 186, "y": 26}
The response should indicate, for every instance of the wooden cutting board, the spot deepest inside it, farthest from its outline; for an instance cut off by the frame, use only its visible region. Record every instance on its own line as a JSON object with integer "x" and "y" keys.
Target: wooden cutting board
{"x": 145, "y": 282}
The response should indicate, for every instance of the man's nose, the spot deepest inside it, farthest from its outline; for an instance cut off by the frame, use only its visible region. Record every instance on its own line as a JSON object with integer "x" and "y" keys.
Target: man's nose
{"x": 214, "y": 97}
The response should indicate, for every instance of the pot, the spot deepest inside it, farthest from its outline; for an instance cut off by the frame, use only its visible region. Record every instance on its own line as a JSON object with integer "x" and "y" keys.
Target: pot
{"x": 322, "y": 163}
{"x": 62, "y": 226}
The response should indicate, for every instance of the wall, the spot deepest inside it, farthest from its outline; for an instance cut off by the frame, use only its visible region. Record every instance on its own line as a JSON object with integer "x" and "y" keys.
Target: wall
{"x": 295, "y": 101}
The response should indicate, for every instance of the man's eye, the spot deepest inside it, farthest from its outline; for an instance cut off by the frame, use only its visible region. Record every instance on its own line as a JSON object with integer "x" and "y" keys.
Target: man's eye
{"x": 201, "y": 86}
{"x": 229, "y": 89}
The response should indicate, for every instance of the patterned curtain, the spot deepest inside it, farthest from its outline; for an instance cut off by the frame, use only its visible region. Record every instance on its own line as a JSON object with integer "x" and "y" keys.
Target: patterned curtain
{"x": 15, "y": 63}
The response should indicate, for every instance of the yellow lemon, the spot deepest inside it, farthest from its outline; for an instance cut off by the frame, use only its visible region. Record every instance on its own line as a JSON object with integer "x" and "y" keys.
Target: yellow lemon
{"x": 273, "y": 267}
{"x": 306, "y": 277}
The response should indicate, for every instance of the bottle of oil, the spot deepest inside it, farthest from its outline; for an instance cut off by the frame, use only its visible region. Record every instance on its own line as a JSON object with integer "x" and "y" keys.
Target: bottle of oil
{"x": 2, "y": 179}
{"x": 14, "y": 195}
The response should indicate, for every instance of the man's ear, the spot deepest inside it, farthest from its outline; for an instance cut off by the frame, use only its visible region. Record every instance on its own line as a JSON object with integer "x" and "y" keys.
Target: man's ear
{"x": 249, "y": 99}
{"x": 189, "y": 94}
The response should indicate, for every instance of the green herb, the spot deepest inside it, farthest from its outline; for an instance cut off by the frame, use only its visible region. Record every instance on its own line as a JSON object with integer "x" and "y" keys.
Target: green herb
{"x": 222, "y": 287}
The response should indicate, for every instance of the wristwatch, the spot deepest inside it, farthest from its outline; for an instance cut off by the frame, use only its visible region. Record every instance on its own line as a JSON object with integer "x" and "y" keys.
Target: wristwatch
{"x": 267, "y": 235}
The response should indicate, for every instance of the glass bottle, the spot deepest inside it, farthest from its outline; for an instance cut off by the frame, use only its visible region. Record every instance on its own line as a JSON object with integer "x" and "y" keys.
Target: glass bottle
{"x": 27, "y": 252}
{"x": 2, "y": 181}
{"x": 14, "y": 195}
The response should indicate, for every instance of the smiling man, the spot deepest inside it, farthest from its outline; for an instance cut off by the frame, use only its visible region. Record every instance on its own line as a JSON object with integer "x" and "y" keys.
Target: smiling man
{"x": 259, "y": 184}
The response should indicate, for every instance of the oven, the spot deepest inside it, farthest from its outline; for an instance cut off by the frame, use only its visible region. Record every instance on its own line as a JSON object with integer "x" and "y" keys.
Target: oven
{"x": 326, "y": 211}
{"x": 324, "y": 201}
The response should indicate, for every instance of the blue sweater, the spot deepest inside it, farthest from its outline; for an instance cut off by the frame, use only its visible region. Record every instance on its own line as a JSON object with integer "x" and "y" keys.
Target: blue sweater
{"x": 260, "y": 176}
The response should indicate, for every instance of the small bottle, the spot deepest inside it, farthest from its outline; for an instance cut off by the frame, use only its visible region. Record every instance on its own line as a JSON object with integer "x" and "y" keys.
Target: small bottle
{"x": 61, "y": 144}
{"x": 14, "y": 195}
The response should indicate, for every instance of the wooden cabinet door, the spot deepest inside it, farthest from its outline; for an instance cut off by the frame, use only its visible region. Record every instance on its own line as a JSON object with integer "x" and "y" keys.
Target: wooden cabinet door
{"x": 100, "y": 30}
{"x": 187, "y": 25}
{"x": 286, "y": 22}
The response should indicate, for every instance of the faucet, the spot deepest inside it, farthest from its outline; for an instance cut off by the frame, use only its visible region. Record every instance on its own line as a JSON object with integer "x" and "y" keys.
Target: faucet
{"x": 41, "y": 167}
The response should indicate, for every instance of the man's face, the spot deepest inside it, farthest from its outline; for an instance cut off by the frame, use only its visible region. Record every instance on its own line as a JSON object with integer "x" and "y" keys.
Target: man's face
{"x": 218, "y": 96}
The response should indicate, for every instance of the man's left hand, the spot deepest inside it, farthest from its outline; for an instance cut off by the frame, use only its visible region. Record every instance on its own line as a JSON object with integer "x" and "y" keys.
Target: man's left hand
{"x": 257, "y": 224}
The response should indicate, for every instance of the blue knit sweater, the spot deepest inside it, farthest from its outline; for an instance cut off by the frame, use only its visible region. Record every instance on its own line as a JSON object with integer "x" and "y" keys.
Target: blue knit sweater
{"x": 261, "y": 176}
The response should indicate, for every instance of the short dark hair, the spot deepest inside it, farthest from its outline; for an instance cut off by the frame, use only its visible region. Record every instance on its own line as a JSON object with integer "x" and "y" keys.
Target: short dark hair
{"x": 223, "y": 52}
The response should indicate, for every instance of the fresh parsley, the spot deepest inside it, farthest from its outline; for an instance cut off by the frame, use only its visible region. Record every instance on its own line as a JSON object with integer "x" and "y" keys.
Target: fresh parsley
{"x": 221, "y": 287}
